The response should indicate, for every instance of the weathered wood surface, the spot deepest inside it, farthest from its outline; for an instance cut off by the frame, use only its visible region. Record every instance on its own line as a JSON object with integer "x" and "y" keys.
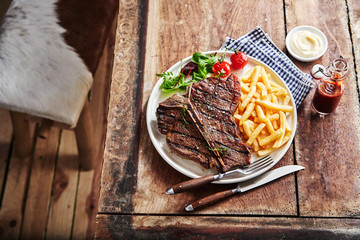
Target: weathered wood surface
{"x": 14, "y": 192}
{"x": 5, "y": 141}
{"x": 328, "y": 147}
{"x": 134, "y": 176}
{"x": 210, "y": 227}
{"x": 62, "y": 202}
{"x": 354, "y": 17}
{"x": 35, "y": 217}
{"x": 120, "y": 157}
{"x": 154, "y": 175}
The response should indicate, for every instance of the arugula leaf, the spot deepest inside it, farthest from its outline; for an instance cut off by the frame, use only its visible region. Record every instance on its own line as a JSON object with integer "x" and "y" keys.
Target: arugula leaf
{"x": 172, "y": 82}
{"x": 201, "y": 66}
{"x": 205, "y": 60}
{"x": 197, "y": 77}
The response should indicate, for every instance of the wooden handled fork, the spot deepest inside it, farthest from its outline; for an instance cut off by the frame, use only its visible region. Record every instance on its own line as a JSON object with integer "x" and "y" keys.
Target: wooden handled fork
{"x": 197, "y": 182}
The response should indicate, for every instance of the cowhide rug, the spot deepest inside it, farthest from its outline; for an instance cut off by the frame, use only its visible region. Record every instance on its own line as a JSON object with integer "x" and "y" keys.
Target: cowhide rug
{"x": 39, "y": 73}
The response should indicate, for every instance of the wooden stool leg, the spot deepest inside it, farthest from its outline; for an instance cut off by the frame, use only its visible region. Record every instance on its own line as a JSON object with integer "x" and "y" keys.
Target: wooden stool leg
{"x": 21, "y": 128}
{"x": 84, "y": 132}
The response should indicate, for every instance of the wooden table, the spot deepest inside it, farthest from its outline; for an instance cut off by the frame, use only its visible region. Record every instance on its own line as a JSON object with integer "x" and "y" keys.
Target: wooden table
{"x": 320, "y": 202}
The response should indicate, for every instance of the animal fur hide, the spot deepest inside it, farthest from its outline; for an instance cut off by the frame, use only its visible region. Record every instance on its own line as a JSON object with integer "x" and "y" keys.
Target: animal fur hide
{"x": 39, "y": 73}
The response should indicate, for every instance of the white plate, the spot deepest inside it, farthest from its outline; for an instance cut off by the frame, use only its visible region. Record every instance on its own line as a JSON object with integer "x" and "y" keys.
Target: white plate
{"x": 193, "y": 169}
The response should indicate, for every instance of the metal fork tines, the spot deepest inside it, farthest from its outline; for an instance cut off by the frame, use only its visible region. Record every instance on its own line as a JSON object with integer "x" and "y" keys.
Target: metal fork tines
{"x": 255, "y": 166}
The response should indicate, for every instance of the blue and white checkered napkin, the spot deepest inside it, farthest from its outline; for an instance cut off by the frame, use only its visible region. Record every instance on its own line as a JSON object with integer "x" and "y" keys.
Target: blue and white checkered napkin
{"x": 257, "y": 44}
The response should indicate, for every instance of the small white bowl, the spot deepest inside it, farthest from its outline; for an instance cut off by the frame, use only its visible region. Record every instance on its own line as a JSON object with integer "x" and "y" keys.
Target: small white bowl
{"x": 313, "y": 30}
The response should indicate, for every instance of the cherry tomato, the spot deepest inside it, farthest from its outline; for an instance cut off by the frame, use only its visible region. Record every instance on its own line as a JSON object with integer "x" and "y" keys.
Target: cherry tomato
{"x": 221, "y": 69}
{"x": 238, "y": 60}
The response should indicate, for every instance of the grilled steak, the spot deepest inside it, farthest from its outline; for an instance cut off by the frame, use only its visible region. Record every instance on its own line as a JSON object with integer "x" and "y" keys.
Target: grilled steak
{"x": 213, "y": 101}
{"x": 170, "y": 111}
{"x": 182, "y": 135}
{"x": 199, "y": 125}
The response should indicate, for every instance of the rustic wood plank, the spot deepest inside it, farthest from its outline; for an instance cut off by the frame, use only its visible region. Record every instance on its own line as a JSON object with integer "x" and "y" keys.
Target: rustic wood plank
{"x": 354, "y": 17}
{"x": 85, "y": 141}
{"x": 208, "y": 227}
{"x": 11, "y": 213}
{"x": 61, "y": 210}
{"x": 163, "y": 44}
{"x": 119, "y": 173}
{"x": 89, "y": 182}
{"x": 37, "y": 202}
{"x": 11, "y": 210}
{"x": 86, "y": 203}
{"x": 328, "y": 147}
{"x": 22, "y": 137}
{"x": 5, "y": 142}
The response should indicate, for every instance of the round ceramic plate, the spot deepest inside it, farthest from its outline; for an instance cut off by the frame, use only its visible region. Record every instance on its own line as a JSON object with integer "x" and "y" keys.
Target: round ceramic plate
{"x": 193, "y": 169}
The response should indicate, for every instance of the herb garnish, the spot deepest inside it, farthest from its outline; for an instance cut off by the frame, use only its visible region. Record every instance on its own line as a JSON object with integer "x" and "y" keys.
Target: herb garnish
{"x": 199, "y": 67}
{"x": 183, "y": 115}
{"x": 221, "y": 73}
{"x": 221, "y": 150}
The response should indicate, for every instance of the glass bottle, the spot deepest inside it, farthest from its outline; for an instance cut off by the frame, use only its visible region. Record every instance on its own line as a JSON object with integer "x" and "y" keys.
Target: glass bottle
{"x": 330, "y": 88}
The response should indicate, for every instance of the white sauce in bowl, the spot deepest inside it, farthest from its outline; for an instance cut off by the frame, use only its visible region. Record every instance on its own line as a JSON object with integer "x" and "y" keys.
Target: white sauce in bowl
{"x": 306, "y": 44}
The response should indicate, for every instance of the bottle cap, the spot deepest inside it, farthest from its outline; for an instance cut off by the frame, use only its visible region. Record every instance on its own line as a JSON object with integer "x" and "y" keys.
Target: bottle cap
{"x": 318, "y": 72}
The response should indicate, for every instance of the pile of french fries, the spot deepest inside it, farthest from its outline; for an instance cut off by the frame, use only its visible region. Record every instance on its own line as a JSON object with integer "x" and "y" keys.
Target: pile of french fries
{"x": 262, "y": 111}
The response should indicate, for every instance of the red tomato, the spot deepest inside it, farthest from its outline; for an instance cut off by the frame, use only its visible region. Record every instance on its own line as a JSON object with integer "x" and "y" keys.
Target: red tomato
{"x": 221, "y": 69}
{"x": 238, "y": 60}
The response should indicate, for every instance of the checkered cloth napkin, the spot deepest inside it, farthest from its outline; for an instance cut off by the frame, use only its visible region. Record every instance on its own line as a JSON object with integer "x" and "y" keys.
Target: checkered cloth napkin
{"x": 258, "y": 44}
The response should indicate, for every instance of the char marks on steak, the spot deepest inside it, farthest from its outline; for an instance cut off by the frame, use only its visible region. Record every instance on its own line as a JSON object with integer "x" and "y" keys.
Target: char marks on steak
{"x": 199, "y": 125}
{"x": 182, "y": 134}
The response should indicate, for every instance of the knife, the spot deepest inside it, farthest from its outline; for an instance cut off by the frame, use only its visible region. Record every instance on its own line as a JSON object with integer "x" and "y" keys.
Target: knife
{"x": 245, "y": 186}
{"x": 197, "y": 182}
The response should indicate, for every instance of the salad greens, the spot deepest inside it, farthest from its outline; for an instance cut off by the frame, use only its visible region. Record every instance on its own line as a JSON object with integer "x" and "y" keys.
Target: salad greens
{"x": 171, "y": 82}
{"x": 199, "y": 67}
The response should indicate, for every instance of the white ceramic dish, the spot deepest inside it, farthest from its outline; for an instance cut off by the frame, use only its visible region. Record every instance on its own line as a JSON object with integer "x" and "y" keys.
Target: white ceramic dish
{"x": 191, "y": 168}
{"x": 313, "y": 30}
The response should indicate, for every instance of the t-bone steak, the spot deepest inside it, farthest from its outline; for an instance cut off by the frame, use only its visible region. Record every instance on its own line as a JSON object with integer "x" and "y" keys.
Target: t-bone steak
{"x": 199, "y": 124}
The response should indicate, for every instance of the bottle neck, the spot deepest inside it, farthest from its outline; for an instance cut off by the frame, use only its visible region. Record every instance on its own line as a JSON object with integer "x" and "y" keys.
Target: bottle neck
{"x": 338, "y": 69}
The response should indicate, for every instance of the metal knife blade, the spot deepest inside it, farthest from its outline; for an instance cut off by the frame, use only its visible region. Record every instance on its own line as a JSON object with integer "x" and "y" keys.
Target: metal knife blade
{"x": 245, "y": 186}
{"x": 268, "y": 177}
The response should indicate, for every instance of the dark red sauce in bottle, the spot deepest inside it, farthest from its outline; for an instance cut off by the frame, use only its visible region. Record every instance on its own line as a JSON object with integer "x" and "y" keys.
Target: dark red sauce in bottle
{"x": 330, "y": 89}
{"x": 327, "y": 97}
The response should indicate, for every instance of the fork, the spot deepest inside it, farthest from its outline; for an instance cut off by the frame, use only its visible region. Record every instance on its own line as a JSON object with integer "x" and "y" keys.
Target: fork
{"x": 256, "y": 166}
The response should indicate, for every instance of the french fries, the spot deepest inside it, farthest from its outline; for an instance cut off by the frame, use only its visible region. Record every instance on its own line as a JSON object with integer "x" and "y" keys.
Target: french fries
{"x": 261, "y": 113}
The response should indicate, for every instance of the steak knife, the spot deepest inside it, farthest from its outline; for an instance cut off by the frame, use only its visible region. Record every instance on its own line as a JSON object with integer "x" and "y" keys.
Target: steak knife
{"x": 245, "y": 186}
